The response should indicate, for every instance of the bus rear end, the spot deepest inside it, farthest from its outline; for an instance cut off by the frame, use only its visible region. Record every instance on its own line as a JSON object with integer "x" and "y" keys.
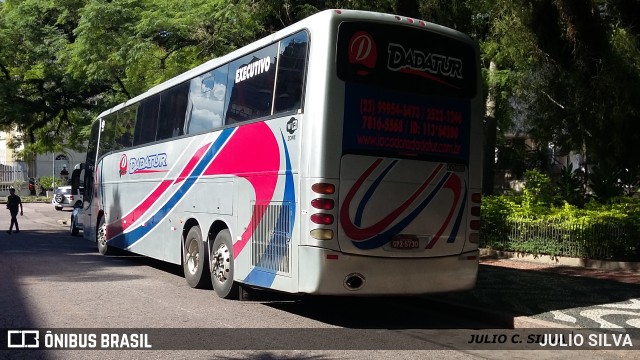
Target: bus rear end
{"x": 407, "y": 177}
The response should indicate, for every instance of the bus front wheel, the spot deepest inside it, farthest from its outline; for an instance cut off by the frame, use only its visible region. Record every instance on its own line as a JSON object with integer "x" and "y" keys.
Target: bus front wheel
{"x": 194, "y": 260}
{"x": 222, "y": 266}
{"x": 101, "y": 238}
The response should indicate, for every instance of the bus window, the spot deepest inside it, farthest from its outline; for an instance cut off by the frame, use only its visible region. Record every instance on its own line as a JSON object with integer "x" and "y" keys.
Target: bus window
{"x": 147, "y": 121}
{"x": 251, "y": 81}
{"x": 125, "y": 125}
{"x": 292, "y": 61}
{"x": 206, "y": 101}
{"x": 173, "y": 107}
{"x": 107, "y": 138}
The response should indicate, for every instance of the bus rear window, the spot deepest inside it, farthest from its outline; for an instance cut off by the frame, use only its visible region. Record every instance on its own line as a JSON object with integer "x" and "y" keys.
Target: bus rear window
{"x": 407, "y": 92}
{"x": 405, "y": 58}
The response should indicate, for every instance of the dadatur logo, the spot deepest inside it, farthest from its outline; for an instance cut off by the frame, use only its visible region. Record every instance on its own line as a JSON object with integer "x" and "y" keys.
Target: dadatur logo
{"x": 363, "y": 51}
{"x": 123, "y": 164}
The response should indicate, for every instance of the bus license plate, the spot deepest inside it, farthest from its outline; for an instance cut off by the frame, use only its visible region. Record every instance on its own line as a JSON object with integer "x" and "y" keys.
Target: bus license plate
{"x": 404, "y": 242}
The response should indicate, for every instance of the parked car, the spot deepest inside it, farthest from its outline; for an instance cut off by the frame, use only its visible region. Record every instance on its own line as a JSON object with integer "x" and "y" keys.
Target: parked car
{"x": 63, "y": 197}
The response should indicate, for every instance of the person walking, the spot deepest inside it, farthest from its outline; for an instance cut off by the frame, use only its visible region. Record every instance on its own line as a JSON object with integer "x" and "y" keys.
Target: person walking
{"x": 13, "y": 204}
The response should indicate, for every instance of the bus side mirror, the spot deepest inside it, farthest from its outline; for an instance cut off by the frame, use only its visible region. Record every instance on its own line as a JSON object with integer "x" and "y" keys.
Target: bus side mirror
{"x": 75, "y": 181}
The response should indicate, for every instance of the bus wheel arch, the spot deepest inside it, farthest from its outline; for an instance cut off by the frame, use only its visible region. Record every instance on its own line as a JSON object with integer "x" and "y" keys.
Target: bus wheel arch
{"x": 222, "y": 265}
{"x": 194, "y": 256}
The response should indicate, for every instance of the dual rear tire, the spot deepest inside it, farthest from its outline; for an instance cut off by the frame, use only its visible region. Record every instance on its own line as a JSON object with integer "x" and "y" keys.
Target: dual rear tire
{"x": 220, "y": 261}
{"x": 222, "y": 266}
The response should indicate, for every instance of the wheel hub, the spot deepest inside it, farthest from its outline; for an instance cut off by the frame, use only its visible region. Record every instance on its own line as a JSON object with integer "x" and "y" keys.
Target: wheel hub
{"x": 221, "y": 263}
{"x": 102, "y": 235}
{"x": 193, "y": 256}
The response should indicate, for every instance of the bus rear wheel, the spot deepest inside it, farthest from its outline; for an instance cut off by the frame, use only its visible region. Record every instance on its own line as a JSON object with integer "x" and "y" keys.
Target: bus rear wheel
{"x": 194, "y": 260}
{"x": 222, "y": 266}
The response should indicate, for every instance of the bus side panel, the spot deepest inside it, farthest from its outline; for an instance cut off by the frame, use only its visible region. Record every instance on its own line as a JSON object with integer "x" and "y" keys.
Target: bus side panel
{"x": 144, "y": 186}
{"x": 263, "y": 160}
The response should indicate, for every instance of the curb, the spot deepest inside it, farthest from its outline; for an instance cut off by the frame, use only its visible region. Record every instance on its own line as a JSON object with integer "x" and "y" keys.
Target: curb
{"x": 561, "y": 260}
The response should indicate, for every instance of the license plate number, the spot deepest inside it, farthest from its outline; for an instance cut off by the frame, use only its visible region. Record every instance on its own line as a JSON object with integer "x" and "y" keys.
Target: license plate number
{"x": 405, "y": 244}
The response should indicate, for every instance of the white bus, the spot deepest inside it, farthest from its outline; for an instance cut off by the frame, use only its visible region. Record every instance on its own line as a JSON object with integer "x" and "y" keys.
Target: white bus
{"x": 338, "y": 156}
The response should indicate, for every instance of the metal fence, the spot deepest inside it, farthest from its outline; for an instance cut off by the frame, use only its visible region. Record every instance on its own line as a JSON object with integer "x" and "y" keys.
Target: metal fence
{"x": 603, "y": 239}
{"x": 10, "y": 175}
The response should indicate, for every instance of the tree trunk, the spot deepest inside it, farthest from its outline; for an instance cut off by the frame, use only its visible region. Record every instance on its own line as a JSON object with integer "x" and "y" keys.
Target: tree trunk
{"x": 490, "y": 129}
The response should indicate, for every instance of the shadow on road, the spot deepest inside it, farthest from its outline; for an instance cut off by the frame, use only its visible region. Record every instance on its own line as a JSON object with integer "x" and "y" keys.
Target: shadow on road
{"x": 59, "y": 257}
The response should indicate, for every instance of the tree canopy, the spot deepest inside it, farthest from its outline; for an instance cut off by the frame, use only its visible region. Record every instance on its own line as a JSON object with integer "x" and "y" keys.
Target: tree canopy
{"x": 565, "y": 72}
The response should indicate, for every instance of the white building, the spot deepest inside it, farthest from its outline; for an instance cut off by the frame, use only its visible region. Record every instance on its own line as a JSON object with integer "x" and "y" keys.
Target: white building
{"x": 51, "y": 164}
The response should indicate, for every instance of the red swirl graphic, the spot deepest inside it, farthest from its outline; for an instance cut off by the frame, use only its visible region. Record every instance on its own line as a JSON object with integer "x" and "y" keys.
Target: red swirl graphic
{"x": 359, "y": 234}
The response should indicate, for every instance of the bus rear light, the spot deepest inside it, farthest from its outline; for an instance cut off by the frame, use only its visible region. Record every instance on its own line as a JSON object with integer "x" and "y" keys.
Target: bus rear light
{"x": 422, "y": 23}
{"x": 323, "y": 188}
{"x": 332, "y": 257}
{"x": 475, "y": 210}
{"x": 410, "y": 20}
{"x": 475, "y": 224}
{"x": 322, "y": 219}
{"x": 476, "y": 198}
{"x": 474, "y": 238}
{"x": 322, "y": 234}
{"x": 323, "y": 204}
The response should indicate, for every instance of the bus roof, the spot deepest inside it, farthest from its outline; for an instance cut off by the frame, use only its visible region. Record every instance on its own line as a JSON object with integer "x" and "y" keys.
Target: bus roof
{"x": 316, "y": 20}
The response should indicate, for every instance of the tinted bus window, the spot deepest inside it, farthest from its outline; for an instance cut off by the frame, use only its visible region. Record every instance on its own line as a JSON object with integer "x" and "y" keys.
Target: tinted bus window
{"x": 90, "y": 163}
{"x": 107, "y": 138}
{"x": 406, "y": 59}
{"x": 206, "y": 101}
{"x": 173, "y": 107}
{"x": 126, "y": 122}
{"x": 292, "y": 62}
{"x": 251, "y": 81}
{"x": 147, "y": 121}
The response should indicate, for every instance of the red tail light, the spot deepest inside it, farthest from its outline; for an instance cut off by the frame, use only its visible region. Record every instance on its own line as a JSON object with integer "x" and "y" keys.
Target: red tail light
{"x": 322, "y": 204}
{"x": 475, "y": 210}
{"x": 474, "y": 224}
{"x": 322, "y": 219}
{"x": 323, "y": 188}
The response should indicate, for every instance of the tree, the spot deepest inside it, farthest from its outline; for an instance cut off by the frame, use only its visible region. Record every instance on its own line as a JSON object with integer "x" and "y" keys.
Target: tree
{"x": 571, "y": 72}
{"x": 37, "y": 94}
{"x": 135, "y": 45}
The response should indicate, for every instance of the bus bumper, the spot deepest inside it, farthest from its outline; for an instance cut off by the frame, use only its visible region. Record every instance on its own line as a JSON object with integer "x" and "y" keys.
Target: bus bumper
{"x": 327, "y": 272}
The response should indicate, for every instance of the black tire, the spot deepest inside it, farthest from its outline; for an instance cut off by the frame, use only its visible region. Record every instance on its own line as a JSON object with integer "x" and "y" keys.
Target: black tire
{"x": 59, "y": 198}
{"x": 222, "y": 267}
{"x": 101, "y": 238}
{"x": 194, "y": 261}
{"x": 73, "y": 230}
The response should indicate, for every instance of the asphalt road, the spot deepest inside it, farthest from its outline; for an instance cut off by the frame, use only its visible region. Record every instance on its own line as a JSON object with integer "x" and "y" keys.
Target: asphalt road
{"x": 51, "y": 280}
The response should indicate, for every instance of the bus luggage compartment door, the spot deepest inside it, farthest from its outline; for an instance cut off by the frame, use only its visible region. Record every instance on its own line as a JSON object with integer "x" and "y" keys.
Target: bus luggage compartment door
{"x": 402, "y": 208}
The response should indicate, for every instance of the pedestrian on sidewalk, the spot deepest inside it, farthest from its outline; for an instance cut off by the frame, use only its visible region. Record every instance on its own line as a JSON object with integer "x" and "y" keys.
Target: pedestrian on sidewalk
{"x": 13, "y": 204}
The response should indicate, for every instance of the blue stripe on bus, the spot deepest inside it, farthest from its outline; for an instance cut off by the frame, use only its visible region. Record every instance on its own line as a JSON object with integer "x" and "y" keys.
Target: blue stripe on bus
{"x": 367, "y": 196}
{"x": 126, "y": 240}
{"x": 259, "y": 276}
{"x": 456, "y": 225}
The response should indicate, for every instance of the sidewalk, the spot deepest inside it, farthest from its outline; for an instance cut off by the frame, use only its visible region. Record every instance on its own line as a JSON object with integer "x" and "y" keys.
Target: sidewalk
{"x": 536, "y": 293}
